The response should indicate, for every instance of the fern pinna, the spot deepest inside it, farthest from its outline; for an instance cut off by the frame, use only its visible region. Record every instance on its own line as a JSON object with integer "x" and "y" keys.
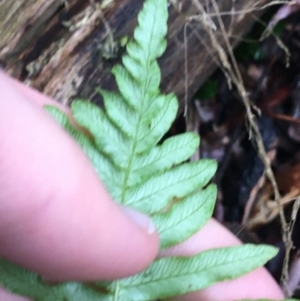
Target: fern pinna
{"x": 138, "y": 171}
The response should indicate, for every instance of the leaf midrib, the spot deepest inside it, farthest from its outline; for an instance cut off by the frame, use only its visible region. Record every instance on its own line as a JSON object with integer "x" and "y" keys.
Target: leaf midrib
{"x": 189, "y": 272}
{"x": 132, "y": 155}
{"x": 135, "y": 139}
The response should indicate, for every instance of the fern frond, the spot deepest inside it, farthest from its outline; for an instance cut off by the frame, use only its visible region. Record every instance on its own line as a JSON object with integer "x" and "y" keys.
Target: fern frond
{"x": 168, "y": 277}
{"x": 109, "y": 173}
{"x": 173, "y": 151}
{"x": 154, "y": 194}
{"x": 185, "y": 217}
{"x": 151, "y": 175}
{"x": 23, "y": 282}
{"x": 18, "y": 280}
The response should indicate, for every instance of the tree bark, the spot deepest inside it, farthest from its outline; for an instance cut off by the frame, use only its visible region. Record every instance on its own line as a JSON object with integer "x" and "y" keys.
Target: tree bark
{"x": 61, "y": 47}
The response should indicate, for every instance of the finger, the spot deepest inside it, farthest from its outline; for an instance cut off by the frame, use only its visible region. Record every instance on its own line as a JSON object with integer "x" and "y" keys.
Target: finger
{"x": 257, "y": 284}
{"x": 55, "y": 216}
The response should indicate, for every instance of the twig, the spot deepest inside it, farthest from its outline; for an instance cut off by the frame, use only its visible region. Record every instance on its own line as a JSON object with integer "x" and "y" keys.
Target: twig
{"x": 251, "y": 10}
{"x": 288, "y": 242}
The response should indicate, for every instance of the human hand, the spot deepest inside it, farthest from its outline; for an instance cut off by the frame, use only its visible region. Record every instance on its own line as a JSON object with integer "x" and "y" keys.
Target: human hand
{"x": 57, "y": 219}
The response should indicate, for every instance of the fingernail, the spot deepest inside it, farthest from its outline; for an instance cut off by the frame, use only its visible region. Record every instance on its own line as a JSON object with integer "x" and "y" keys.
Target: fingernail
{"x": 139, "y": 219}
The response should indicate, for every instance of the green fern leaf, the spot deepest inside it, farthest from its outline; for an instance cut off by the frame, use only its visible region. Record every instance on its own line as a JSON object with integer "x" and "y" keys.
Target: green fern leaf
{"x": 21, "y": 281}
{"x": 173, "y": 151}
{"x": 108, "y": 139}
{"x": 168, "y": 277}
{"x": 154, "y": 194}
{"x": 108, "y": 172}
{"x": 118, "y": 112}
{"x": 82, "y": 292}
{"x": 185, "y": 217}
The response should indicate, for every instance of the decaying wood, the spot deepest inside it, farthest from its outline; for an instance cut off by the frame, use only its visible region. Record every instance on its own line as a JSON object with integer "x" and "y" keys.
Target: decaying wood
{"x": 57, "y": 46}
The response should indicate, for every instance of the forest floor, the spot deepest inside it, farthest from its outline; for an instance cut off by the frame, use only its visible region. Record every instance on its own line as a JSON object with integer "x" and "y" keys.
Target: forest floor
{"x": 247, "y": 204}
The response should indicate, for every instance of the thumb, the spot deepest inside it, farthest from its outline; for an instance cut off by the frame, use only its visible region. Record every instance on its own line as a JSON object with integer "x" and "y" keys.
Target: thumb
{"x": 56, "y": 218}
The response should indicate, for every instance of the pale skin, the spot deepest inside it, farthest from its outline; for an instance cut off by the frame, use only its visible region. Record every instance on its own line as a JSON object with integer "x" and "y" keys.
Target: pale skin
{"x": 57, "y": 219}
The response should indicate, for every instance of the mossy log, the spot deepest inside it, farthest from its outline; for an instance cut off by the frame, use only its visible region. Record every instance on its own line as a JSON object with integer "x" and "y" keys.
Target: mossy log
{"x": 64, "y": 47}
